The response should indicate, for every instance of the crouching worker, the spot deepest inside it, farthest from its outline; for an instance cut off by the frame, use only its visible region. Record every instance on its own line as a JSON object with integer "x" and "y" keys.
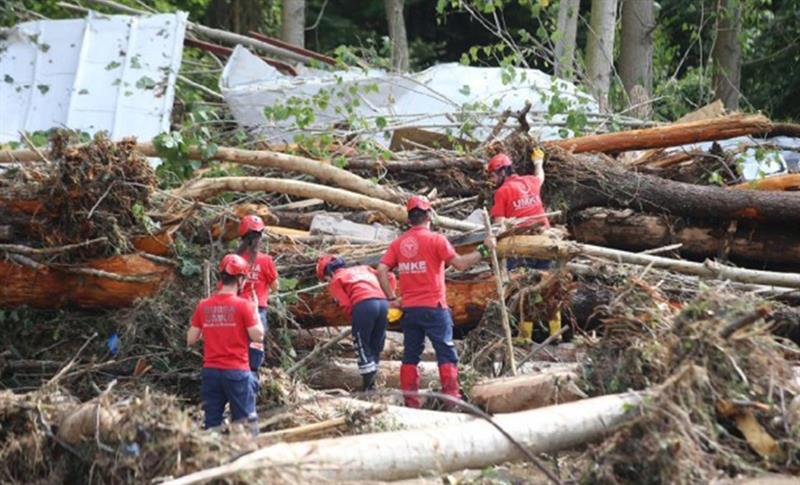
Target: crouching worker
{"x": 227, "y": 324}
{"x": 357, "y": 291}
{"x": 420, "y": 256}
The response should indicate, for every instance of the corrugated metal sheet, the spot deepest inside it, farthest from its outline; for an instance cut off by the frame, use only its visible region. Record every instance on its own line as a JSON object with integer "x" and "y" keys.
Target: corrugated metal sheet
{"x": 101, "y": 73}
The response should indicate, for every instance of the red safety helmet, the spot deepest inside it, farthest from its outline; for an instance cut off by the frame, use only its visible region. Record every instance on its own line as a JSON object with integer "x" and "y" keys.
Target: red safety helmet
{"x": 418, "y": 202}
{"x": 233, "y": 264}
{"x": 497, "y": 162}
{"x": 322, "y": 264}
{"x": 250, "y": 224}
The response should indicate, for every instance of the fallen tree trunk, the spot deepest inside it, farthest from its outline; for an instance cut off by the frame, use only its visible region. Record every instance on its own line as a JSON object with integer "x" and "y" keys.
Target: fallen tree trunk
{"x": 638, "y": 232}
{"x": 518, "y": 393}
{"x": 44, "y": 287}
{"x": 586, "y": 181}
{"x": 408, "y": 454}
{"x": 533, "y": 246}
{"x": 466, "y": 298}
{"x": 785, "y": 182}
{"x": 671, "y": 135}
{"x": 343, "y": 374}
{"x": 206, "y": 188}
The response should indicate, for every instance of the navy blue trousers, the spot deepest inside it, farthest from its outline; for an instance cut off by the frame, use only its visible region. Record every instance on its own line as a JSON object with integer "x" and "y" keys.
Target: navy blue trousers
{"x": 257, "y": 355}
{"x": 369, "y": 332}
{"x": 227, "y": 386}
{"x": 434, "y": 323}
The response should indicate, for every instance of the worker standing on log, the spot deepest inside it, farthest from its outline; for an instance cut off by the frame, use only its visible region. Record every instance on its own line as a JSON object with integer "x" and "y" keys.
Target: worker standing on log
{"x": 227, "y": 323}
{"x": 262, "y": 276}
{"x": 420, "y": 256}
{"x": 518, "y": 198}
{"x": 358, "y": 292}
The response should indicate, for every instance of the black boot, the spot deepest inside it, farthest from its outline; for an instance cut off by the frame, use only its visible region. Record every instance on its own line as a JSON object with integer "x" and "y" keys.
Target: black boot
{"x": 369, "y": 380}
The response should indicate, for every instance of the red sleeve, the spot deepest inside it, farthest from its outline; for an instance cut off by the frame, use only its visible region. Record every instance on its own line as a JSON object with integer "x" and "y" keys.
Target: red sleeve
{"x": 197, "y": 318}
{"x": 269, "y": 270}
{"x": 445, "y": 249}
{"x": 390, "y": 256}
{"x": 337, "y": 292}
{"x": 499, "y": 207}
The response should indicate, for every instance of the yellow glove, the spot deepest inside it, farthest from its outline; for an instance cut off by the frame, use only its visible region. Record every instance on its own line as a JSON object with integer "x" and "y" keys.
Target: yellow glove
{"x": 394, "y": 314}
{"x": 537, "y": 154}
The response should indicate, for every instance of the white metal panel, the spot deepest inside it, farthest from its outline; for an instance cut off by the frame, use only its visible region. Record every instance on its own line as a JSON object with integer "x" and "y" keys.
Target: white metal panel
{"x": 102, "y": 73}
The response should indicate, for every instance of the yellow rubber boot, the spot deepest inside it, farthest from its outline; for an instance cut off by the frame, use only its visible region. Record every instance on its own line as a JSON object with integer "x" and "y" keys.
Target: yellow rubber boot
{"x": 555, "y": 325}
{"x": 525, "y": 332}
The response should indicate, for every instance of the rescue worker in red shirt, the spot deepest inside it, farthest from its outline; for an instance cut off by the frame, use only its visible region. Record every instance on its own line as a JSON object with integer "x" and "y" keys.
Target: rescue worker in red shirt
{"x": 262, "y": 276}
{"x": 518, "y": 198}
{"x": 357, "y": 291}
{"x": 420, "y": 256}
{"x": 227, "y": 324}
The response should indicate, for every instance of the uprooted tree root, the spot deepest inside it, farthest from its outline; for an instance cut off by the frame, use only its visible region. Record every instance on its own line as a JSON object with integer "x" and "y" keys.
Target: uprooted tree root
{"x": 99, "y": 189}
{"x": 720, "y": 405}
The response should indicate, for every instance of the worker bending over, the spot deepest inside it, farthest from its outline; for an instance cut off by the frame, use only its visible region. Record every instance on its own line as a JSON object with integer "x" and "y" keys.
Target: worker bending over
{"x": 227, "y": 324}
{"x": 357, "y": 291}
{"x": 420, "y": 256}
{"x": 262, "y": 276}
{"x": 518, "y": 197}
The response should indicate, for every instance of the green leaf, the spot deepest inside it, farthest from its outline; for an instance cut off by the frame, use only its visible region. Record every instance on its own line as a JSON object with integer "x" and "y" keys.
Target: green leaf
{"x": 380, "y": 122}
{"x": 465, "y": 90}
{"x": 145, "y": 82}
{"x": 8, "y": 79}
{"x": 112, "y": 65}
{"x": 43, "y": 88}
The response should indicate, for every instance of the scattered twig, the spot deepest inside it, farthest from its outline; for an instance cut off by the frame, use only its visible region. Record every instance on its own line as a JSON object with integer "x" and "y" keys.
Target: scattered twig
{"x": 317, "y": 351}
{"x": 744, "y": 320}
{"x": 20, "y": 249}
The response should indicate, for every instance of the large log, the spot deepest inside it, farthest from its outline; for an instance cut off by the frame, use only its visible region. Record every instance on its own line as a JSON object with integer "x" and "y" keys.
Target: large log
{"x": 667, "y": 136}
{"x": 636, "y": 232}
{"x": 54, "y": 288}
{"x": 309, "y": 338}
{"x": 466, "y": 298}
{"x": 518, "y": 393}
{"x": 533, "y": 246}
{"x": 583, "y": 181}
{"x": 407, "y": 454}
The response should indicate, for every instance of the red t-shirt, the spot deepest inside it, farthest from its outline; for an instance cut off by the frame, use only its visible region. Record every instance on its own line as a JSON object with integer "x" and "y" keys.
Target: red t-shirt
{"x": 519, "y": 198}
{"x": 224, "y": 320}
{"x": 262, "y": 273}
{"x": 350, "y": 286}
{"x": 420, "y": 255}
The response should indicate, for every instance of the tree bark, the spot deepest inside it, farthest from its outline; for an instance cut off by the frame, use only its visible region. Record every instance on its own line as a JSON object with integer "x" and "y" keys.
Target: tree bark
{"x": 293, "y": 22}
{"x": 636, "y": 232}
{"x": 567, "y": 28}
{"x": 53, "y": 288}
{"x": 636, "y": 54}
{"x": 789, "y": 182}
{"x": 408, "y": 454}
{"x": 512, "y": 394}
{"x": 600, "y": 49}
{"x": 397, "y": 34}
{"x": 728, "y": 53}
{"x": 667, "y": 136}
{"x": 579, "y": 182}
{"x": 466, "y": 298}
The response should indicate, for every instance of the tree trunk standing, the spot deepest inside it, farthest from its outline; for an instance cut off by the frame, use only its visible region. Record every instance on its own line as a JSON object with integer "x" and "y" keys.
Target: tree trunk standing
{"x": 728, "y": 53}
{"x": 600, "y": 49}
{"x": 567, "y": 29}
{"x": 293, "y": 22}
{"x": 636, "y": 54}
{"x": 397, "y": 34}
